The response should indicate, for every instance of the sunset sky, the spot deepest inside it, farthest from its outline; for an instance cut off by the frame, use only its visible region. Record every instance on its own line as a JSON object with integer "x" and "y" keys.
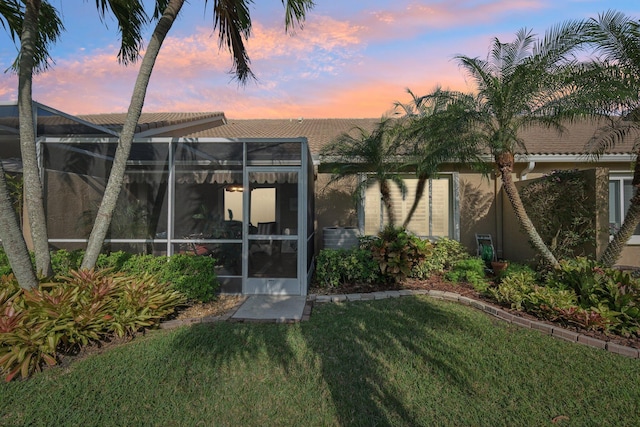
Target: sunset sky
{"x": 352, "y": 59}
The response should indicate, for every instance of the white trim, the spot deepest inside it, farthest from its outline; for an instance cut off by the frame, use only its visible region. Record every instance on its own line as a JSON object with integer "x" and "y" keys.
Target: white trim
{"x": 554, "y": 158}
{"x": 621, "y": 177}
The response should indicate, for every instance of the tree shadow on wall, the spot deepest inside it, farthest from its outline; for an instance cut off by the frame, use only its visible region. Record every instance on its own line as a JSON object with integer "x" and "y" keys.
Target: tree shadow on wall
{"x": 475, "y": 205}
{"x": 336, "y": 205}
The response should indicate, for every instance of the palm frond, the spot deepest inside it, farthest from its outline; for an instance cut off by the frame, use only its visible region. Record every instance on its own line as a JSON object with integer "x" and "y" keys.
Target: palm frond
{"x": 131, "y": 18}
{"x": 233, "y": 21}
{"x": 295, "y": 12}
{"x": 11, "y": 16}
{"x": 616, "y": 37}
{"x": 614, "y": 132}
{"x": 49, "y": 29}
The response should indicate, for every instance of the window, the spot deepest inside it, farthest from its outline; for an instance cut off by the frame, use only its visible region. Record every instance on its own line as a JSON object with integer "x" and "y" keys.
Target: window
{"x": 620, "y": 193}
{"x": 435, "y": 216}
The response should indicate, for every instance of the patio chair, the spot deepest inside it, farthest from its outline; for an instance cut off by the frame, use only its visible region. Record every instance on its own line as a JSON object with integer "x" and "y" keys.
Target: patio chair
{"x": 266, "y": 246}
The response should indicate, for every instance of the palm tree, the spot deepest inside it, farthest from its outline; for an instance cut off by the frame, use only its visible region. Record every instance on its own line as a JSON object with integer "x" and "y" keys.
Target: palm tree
{"x": 22, "y": 22}
{"x": 617, "y": 75}
{"x": 233, "y": 21}
{"x": 521, "y": 84}
{"x": 438, "y": 129}
{"x": 375, "y": 152}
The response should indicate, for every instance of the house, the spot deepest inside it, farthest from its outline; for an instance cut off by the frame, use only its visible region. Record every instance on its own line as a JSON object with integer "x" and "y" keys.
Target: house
{"x": 253, "y": 193}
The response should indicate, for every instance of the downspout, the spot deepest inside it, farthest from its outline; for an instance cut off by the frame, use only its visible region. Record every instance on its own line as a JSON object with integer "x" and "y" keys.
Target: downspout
{"x": 498, "y": 216}
{"x": 527, "y": 170}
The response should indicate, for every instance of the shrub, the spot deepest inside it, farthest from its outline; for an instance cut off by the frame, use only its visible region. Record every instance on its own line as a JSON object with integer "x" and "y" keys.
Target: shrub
{"x": 470, "y": 270}
{"x": 444, "y": 254}
{"x": 85, "y": 306}
{"x": 397, "y": 252}
{"x": 138, "y": 263}
{"x": 515, "y": 268}
{"x": 5, "y": 268}
{"x": 612, "y": 294}
{"x": 192, "y": 275}
{"x": 63, "y": 261}
{"x": 116, "y": 261}
{"x": 513, "y": 290}
{"x": 335, "y": 267}
{"x": 521, "y": 291}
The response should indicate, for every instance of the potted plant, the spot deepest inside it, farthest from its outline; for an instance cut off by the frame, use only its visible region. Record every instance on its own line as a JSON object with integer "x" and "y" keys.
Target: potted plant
{"x": 499, "y": 266}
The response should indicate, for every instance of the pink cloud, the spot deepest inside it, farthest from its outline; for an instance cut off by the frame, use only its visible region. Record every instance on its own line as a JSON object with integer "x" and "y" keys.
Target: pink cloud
{"x": 408, "y": 18}
{"x": 324, "y": 70}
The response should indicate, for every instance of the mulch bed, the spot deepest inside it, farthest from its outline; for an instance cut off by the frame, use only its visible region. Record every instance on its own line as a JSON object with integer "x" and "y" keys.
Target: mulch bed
{"x": 439, "y": 284}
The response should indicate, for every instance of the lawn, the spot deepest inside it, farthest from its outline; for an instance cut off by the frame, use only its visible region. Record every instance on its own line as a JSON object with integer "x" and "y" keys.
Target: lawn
{"x": 411, "y": 361}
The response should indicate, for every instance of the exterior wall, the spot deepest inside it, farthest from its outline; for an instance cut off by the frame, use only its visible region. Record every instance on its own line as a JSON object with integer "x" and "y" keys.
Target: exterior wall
{"x": 335, "y": 205}
{"x": 478, "y": 213}
{"x": 484, "y": 209}
{"x": 630, "y": 256}
{"x": 516, "y": 246}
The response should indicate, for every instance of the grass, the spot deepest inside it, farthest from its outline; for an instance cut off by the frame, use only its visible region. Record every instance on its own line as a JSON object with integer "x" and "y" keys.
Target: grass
{"x": 410, "y": 361}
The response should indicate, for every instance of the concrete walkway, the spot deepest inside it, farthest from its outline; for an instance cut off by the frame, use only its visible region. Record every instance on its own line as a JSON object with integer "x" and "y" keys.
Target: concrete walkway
{"x": 272, "y": 308}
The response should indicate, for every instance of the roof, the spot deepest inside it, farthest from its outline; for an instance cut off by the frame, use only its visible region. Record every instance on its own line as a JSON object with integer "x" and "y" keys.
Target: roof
{"x": 542, "y": 141}
{"x": 318, "y": 132}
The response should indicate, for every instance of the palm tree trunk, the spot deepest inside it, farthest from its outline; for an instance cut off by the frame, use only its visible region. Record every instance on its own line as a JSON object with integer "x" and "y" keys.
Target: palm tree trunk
{"x": 385, "y": 192}
{"x": 114, "y": 184}
{"x": 13, "y": 240}
{"x": 32, "y": 185}
{"x": 631, "y": 220}
{"x": 505, "y": 165}
{"x": 422, "y": 182}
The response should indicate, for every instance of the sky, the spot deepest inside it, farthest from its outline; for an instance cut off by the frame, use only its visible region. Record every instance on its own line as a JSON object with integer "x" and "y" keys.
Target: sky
{"x": 352, "y": 58}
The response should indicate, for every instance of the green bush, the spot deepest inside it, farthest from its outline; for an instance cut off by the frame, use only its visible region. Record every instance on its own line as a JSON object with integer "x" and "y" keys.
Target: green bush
{"x": 521, "y": 291}
{"x": 444, "y": 254}
{"x": 5, "y": 268}
{"x": 335, "y": 267}
{"x": 192, "y": 275}
{"x": 515, "y": 268}
{"x": 85, "y": 306}
{"x": 470, "y": 270}
{"x": 398, "y": 252}
{"x": 513, "y": 290}
{"x": 578, "y": 293}
{"x": 139, "y": 263}
{"x": 63, "y": 261}
{"x": 611, "y": 294}
{"x": 116, "y": 261}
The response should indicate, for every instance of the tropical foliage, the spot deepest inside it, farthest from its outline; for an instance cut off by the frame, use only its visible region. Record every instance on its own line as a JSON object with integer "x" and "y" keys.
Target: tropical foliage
{"x": 519, "y": 85}
{"x": 376, "y": 154}
{"x": 612, "y": 85}
{"x": 437, "y": 130}
{"x": 39, "y": 325}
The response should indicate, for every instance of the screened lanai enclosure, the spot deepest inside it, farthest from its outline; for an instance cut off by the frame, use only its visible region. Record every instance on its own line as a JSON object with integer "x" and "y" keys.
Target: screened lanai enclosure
{"x": 249, "y": 203}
